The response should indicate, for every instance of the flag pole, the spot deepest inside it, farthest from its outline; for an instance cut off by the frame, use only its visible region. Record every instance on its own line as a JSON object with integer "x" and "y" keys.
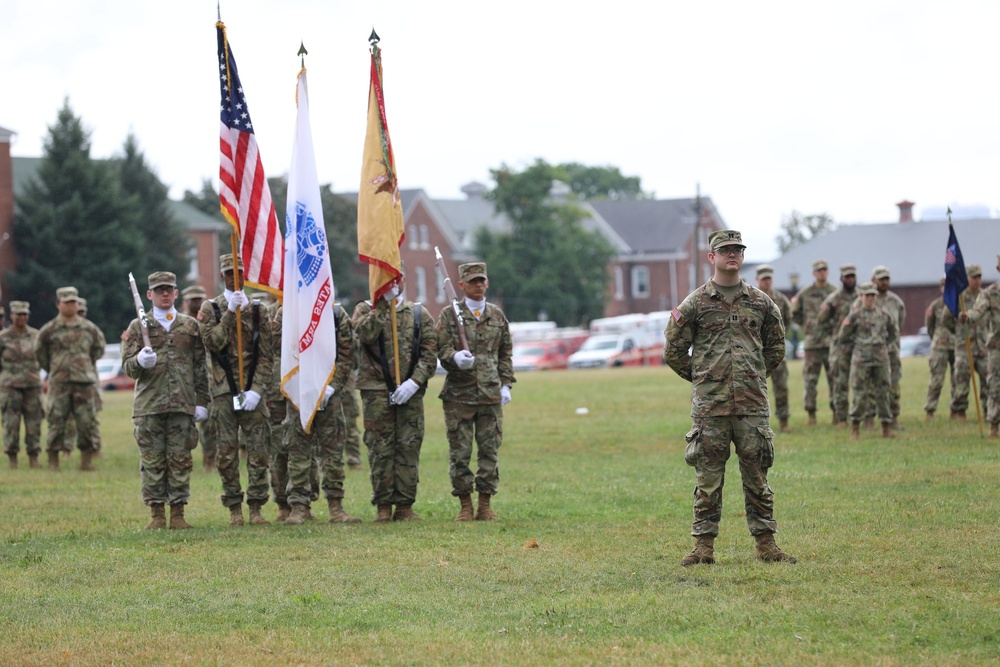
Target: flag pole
{"x": 395, "y": 336}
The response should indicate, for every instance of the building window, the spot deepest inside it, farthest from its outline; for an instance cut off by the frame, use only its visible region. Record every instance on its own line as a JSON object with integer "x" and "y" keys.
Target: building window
{"x": 425, "y": 237}
{"x": 421, "y": 275}
{"x": 412, "y": 233}
{"x": 640, "y": 282}
{"x": 192, "y": 275}
{"x": 619, "y": 284}
{"x": 439, "y": 284}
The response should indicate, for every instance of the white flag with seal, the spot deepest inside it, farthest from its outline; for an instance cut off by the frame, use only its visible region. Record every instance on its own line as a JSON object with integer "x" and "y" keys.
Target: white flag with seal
{"x": 308, "y": 330}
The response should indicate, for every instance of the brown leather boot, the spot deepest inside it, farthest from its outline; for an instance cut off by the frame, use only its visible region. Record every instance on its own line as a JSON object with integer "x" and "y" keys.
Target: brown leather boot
{"x": 855, "y": 430}
{"x": 309, "y": 514}
{"x": 812, "y": 418}
{"x": 929, "y": 416}
{"x": 783, "y": 425}
{"x": 958, "y": 415}
{"x": 465, "y": 514}
{"x": 32, "y": 460}
{"x": 769, "y": 552}
{"x": 703, "y": 552}
{"x": 159, "y": 520}
{"x": 87, "y": 461}
{"x": 869, "y": 423}
{"x": 284, "y": 511}
{"x": 13, "y": 461}
{"x": 995, "y": 430}
{"x": 236, "y": 515}
{"x": 337, "y": 513}
{"x": 483, "y": 511}
{"x": 383, "y": 514}
{"x": 405, "y": 513}
{"x": 53, "y": 460}
{"x": 177, "y": 521}
{"x": 256, "y": 518}
{"x": 887, "y": 430}
{"x": 297, "y": 517}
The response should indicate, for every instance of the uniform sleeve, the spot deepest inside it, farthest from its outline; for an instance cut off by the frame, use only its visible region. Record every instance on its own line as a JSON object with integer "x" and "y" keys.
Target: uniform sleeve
{"x": 799, "y": 309}
{"x": 979, "y": 309}
{"x": 265, "y": 356}
{"x": 773, "y": 339}
{"x": 42, "y": 348}
{"x": 930, "y": 319}
{"x": 679, "y": 336}
{"x": 427, "y": 364}
{"x": 97, "y": 343}
{"x": 370, "y": 321}
{"x": 505, "y": 356}
{"x": 845, "y": 338}
{"x": 131, "y": 344}
{"x": 216, "y": 333}
{"x": 447, "y": 327}
{"x": 893, "y": 329}
{"x": 345, "y": 353}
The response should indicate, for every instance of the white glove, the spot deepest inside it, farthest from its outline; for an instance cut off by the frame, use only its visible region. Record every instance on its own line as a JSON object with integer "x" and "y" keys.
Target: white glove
{"x": 200, "y": 413}
{"x": 327, "y": 395}
{"x": 391, "y": 295}
{"x": 238, "y": 300}
{"x": 404, "y": 392}
{"x": 250, "y": 401}
{"x": 146, "y": 357}
{"x": 464, "y": 359}
{"x": 504, "y": 395}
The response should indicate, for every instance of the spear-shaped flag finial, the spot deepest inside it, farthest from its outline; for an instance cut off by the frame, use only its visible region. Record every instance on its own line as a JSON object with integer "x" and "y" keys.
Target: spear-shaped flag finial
{"x": 373, "y": 38}
{"x": 302, "y": 52}
{"x": 949, "y": 215}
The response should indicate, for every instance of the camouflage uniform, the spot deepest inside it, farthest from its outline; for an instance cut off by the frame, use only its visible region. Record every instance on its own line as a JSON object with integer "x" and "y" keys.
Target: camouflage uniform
{"x": 894, "y": 306}
{"x": 352, "y": 447}
{"x": 193, "y": 295}
{"x": 805, "y": 312}
{"x": 942, "y": 357}
{"x": 164, "y": 405}
{"x": 20, "y": 388}
{"x": 976, "y": 334}
{"x": 865, "y": 331}
{"x": 393, "y": 433}
{"x": 831, "y": 313}
{"x": 67, "y": 350}
{"x": 472, "y": 397}
{"x": 219, "y": 334}
{"x": 734, "y": 347}
{"x": 779, "y": 377}
{"x": 278, "y": 411}
{"x": 986, "y": 313}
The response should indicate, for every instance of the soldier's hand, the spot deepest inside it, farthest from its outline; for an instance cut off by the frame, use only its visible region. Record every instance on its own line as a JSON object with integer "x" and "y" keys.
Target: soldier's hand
{"x": 250, "y": 400}
{"x": 404, "y": 392}
{"x": 146, "y": 357}
{"x": 327, "y": 395}
{"x": 200, "y": 413}
{"x": 963, "y": 316}
{"x": 238, "y": 300}
{"x": 504, "y": 395}
{"x": 391, "y": 294}
{"x": 464, "y": 359}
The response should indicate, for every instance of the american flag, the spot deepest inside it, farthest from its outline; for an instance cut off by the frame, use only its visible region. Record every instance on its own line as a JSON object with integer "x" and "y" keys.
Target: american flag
{"x": 244, "y": 195}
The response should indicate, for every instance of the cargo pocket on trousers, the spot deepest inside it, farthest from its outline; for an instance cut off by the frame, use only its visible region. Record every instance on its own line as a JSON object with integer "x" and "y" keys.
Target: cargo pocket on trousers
{"x": 192, "y": 441}
{"x": 766, "y": 446}
{"x": 693, "y": 448}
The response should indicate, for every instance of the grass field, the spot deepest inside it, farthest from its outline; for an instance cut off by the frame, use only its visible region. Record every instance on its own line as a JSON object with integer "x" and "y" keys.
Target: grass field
{"x": 897, "y": 541}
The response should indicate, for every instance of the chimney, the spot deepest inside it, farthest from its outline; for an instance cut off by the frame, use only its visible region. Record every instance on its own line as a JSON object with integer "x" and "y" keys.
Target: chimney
{"x": 905, "y": 211}
{"x": 474, "y": 190}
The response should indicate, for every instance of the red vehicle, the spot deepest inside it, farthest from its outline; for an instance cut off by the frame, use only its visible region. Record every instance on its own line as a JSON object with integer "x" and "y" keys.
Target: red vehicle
{"x": 540, "y": 355}
{"x": 111, "y": 377}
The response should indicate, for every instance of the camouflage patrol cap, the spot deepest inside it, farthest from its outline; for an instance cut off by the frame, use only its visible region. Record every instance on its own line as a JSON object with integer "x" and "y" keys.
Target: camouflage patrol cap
{"x": 867, "y": 288}
{"x": 848, "y": 270}
{"x": 880, "y": 272}
{"x": 226, "y": 263}
{"x": 820, "y": 264}
{"x": 724, "y": 237}
{"x": 158, "y": 278}
{"x": 467, "y": 272}
{"x": 973, "y": 270}
{"x": 64, "y": 294}
{"x": 20, "y": 307}
{"x": 81, "y": 306}
{"x": 765, "y": 271}
{"x": 194, "y": 292}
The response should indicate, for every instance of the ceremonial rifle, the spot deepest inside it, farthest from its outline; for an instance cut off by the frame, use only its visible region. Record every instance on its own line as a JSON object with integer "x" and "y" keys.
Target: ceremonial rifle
{"x": 140, "y": 312}
{"x": 449, "y": 289}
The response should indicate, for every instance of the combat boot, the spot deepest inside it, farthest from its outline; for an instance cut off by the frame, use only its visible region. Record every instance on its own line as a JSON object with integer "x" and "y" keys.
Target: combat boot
{"x": 995, "y": 430}
{"x": 32, "y": 460}
{"x": 465, "y": 514}
{"x": 209, "y": 463}
{"x": 53, "y": 460}
{"x": 769, "y": 552}
{"x": 405, "y": 513}
{"x": 703, "y": 552}
{"x": 13, "y": 461}
{"x": 958, "y": 415}
{"x": 869, "y": 423}
{"x": 236, "y": 515}
{"x": 297, "y": 516}
{"x": 256, "y": 518}
{"x": 177, "y": 521}
{"x": 337, "y": 513}
{"x": 87, "y": 461}
{"x": 383, "y": 514}
{"x": 887, "y": 431}
{"x": 929, "y": 416}
{"x": 483, "y": 511}
{"x": 284, "y": 511}
{"x": 812, "y": 418}
{"x": 159, "y": 520}
{"x": 855, "y": 430}
{"x": 309, "y": 514}
{"x": 783, "y": 425}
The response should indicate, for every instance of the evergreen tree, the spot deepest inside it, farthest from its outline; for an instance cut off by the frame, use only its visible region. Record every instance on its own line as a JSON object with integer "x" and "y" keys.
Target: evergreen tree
{"x": 74, "y": 226}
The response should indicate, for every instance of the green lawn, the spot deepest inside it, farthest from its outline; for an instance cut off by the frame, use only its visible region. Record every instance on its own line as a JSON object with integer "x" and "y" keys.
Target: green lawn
{"x": 898, "y": 546}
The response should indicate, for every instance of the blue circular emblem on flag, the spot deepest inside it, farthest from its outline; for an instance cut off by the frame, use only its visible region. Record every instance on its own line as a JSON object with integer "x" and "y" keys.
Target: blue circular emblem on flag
{"x": 310, "y": 241}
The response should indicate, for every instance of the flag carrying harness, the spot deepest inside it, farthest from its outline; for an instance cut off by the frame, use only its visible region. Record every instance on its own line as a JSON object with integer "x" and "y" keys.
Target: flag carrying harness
{"x": 222, "y": 358}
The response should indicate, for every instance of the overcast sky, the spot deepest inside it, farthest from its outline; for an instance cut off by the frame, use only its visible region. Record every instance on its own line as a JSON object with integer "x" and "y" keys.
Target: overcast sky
{"x": 842, "y": 108}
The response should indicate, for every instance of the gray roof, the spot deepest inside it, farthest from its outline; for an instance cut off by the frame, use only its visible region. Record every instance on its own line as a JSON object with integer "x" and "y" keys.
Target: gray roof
{"x": 6, "y": 134}
{"x": 913, "y": 251}
{"x": 651, "y": 225}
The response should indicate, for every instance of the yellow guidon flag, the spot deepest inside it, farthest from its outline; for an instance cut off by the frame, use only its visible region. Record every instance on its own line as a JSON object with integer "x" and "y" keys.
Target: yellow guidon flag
{"x": 380, "y": 211}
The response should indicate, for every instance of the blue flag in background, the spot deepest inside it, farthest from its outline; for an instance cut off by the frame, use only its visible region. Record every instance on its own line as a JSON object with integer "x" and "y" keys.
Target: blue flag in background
{"x": 955, "y": 278}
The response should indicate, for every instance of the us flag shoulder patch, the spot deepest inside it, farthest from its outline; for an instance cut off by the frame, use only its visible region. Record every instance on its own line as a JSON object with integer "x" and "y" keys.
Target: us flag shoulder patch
{"x": 676, "y": 314}
{"x": 125, "y": 335}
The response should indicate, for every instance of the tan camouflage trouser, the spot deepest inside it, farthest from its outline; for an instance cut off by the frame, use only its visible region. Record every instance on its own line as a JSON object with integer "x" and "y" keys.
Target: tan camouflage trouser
{"x": 352, "y": 447}
{"x": 393, "y": 436}
{"x": 463, "y": 423}
{"x": 942, "y": 363}
{"x": 816, "y": 360}
{"x": 227, "y": 425}
{"x": 326, "y": 444}
{"x": 708, "y": 451}
{"x": 69, "y": 440}
{"x": 963, "y": 379}
{"x": 165, "y": 461}
{"x": 74, "y": 400}
{"x": 17, "y": 404}
{"x": 779, "y": 380}
{"x": 870, "y": 387}
{"x": 994, "y": 387}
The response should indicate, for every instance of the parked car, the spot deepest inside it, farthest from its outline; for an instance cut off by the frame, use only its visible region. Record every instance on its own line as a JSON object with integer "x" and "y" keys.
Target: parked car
{"x": 540, "y": 355}
{"x": 915, "y": 346}
{"x": 607, "y": 351}
{"x": 110, "y": 375}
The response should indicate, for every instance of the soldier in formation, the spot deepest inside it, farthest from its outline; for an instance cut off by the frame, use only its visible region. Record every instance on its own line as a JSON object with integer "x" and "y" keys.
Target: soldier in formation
{"x": 192, "y": 298}
{"x": 831, "y": 313}
{"x": 942, "y": 354}
{"x": 970, "y": 342}
{"x": 779, "y": 378}
{"x": 891, "y": 303}
{"x": 20, "y": 386}
{"x": 986, "y": 314}
{"x": 805, "y": 313}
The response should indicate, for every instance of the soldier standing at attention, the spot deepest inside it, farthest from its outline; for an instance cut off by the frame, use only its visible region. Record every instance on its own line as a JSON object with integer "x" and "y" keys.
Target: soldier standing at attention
{"x": 394, "y": 415}
{"x": 833, "y": 311}
{"x": 779, "y": 378}
{"x": 890, "y": 302}
{"x": 976, "y": 335}
{"x": 20, "y": 386}
{"x": 736, "y": 339}
{"x": 67, "y": 348}
{"x": 868, "y": 331}
{"x": 986, "y": 313}
{"x": 805, "y": 313}
{"x": 193, "y": 296}
{"x": 171, "y": 394}
{"x": 237, "y": 408}
{"x": 475, "y": 391}
{"x": 942, "y": 357}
